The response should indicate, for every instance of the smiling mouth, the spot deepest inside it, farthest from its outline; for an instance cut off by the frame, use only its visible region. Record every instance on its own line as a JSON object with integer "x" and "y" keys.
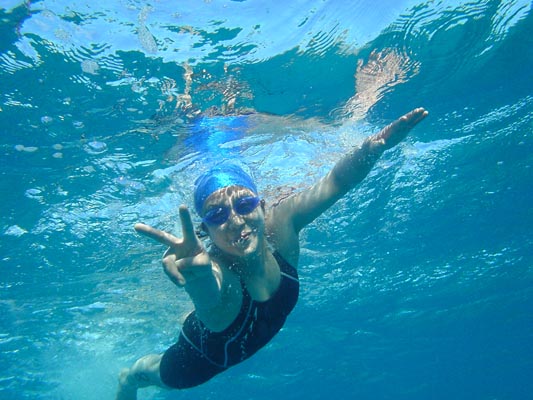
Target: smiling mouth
{"x": 242, "y": 239}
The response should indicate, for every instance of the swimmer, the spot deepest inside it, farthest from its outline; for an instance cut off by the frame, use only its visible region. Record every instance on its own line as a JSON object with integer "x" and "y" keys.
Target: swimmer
{"x": 245, "y": 285}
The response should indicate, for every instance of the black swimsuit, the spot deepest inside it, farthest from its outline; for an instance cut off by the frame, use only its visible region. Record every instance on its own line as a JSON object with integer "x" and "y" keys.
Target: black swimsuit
{"x": 200, "y": 353}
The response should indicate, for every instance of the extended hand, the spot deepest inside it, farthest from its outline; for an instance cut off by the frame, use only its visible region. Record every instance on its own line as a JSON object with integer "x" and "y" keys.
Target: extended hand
{"x": 186, "y": 259}
{"x": 394, "y": 133}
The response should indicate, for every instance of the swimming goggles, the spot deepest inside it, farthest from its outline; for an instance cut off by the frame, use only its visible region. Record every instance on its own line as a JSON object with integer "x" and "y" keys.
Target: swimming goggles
{"x": 242, "y": 206}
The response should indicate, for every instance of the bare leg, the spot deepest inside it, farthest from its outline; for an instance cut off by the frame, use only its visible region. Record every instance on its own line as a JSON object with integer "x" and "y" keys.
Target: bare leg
{"x": 144, "y": 372}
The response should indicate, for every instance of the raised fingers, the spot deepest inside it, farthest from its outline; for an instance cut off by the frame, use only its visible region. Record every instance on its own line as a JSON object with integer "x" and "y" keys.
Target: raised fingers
{"x": 187, "y": 226}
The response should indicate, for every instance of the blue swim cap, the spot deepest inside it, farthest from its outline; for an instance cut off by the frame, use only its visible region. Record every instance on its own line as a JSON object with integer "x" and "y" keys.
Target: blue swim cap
{"x": 218, "y": 178}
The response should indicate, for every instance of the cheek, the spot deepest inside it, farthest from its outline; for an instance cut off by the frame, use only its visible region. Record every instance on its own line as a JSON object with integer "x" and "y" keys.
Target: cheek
{"x": 220, "y": 236}
{"x": 257, "y": 220}
{"x": 214, "y": 233}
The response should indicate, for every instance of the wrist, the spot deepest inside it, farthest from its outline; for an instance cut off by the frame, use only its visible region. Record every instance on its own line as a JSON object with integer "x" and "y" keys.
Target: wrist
{"x": 370, "y": 151}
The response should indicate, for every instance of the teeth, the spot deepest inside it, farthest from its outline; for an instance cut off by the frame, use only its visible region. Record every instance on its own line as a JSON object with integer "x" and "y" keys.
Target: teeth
{"x": 241, "y": 239}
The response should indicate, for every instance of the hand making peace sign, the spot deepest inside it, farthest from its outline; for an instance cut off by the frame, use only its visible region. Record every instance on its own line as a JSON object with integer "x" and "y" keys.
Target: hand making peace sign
{"x": 186, "y": 259}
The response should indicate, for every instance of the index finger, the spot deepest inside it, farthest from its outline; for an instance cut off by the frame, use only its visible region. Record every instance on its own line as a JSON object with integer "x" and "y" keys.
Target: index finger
{"x": 156, "y": 234}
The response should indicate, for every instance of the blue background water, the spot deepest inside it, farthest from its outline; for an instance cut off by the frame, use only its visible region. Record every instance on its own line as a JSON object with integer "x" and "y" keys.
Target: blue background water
{"x": 417, "y": 285}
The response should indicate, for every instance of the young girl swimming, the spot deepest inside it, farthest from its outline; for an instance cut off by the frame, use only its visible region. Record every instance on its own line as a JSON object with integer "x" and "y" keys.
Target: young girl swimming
{"x": 245, "y": 285}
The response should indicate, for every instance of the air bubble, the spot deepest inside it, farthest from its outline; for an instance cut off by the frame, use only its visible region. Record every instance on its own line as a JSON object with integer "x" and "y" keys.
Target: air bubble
{"x": 90, "y": 67}
{"x": 46, "y": 120}
{"x": 15, "y": 230}
{"x": 129, "y": 184}
{"x": 96, "y": 147}
{"x": 27, "y": 149}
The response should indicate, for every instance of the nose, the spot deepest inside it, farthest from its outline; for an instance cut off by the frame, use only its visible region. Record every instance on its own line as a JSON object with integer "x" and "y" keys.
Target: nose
{"x": 236, "y": 218}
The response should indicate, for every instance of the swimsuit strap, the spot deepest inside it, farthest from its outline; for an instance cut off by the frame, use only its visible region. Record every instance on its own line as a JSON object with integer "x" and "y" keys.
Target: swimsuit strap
{"x": 286, "y": 269}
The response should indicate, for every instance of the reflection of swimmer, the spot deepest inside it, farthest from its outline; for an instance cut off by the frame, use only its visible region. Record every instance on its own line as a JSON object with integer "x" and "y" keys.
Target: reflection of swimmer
{"x": 245, "y": 284}
{"x": 209, "y": 134}
{"x": 219, "y": 136}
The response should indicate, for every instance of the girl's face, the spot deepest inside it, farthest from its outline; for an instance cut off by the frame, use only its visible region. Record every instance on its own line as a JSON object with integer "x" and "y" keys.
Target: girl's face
{"x": 235, "y": 220}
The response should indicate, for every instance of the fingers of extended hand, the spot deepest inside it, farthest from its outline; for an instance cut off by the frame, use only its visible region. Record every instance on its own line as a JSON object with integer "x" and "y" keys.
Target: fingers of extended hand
{"x": 407, "y": 121}
{"x": 414, "y": 117}
{"x": 394, "y": 133}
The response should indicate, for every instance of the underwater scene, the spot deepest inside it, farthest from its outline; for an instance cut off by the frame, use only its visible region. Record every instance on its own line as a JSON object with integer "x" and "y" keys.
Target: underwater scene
{"x": 418, "y": 284}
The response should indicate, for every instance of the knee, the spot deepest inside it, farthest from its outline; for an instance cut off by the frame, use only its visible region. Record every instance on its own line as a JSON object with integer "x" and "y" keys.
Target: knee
{"x": 123, "y": 376}
{"x": 143, "y": 379}
{"x": 126, "y": 389}
{"x": 135, "y": 378}
{"x": 145, "y": 372}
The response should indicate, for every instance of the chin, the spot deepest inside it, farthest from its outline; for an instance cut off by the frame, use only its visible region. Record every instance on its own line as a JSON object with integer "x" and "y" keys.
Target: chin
{"x": 247, "y": 249}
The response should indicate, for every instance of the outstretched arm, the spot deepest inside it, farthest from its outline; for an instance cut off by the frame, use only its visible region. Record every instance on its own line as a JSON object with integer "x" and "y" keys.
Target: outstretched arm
{"x": 302, "y": 208}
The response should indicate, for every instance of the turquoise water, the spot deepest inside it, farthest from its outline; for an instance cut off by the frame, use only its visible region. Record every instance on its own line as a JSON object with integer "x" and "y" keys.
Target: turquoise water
{"x": 417, "y": 285}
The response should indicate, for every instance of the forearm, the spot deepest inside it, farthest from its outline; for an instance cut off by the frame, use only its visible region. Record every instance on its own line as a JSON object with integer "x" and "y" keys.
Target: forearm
{"x": 213, "y": 298}
{"x": 205, "y": 291}
{"x": 351, "y": 169}
{"x": 356, "y": 165}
